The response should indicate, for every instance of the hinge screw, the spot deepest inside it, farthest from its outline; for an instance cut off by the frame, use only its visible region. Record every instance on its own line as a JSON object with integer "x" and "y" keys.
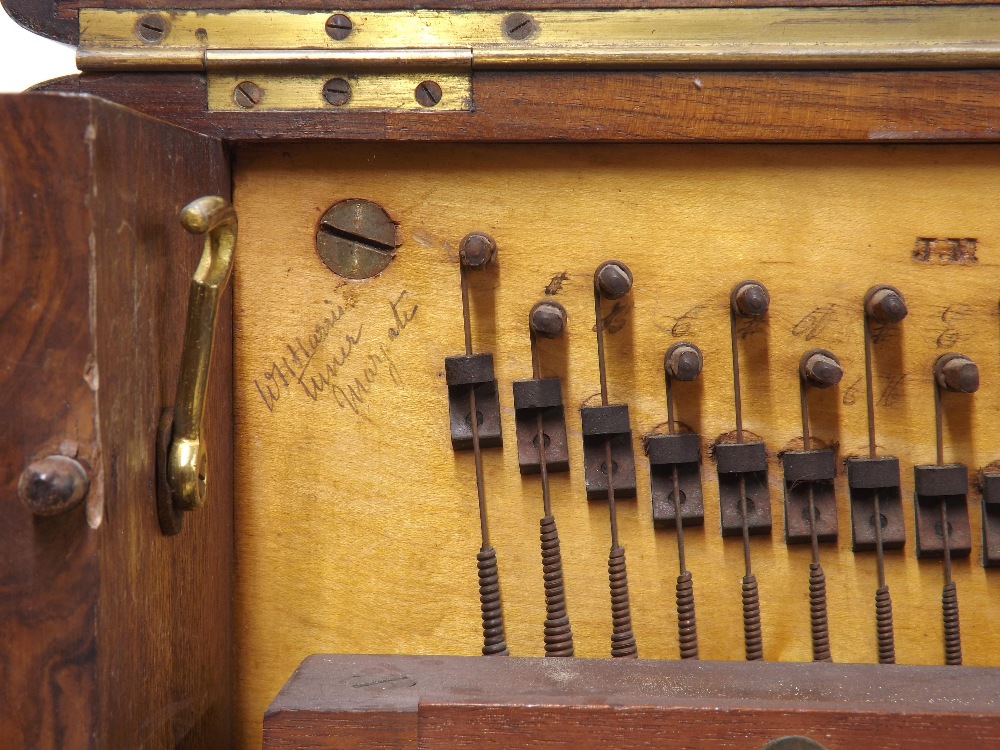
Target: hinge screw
{"x": 339, "y": 26}
{"x": 519, "y": 26}
{"x": 247, "y": 94}
{"x": 152, "y": 28}
{"x": 337, "y": 91}
{"x": 427, "y": 93}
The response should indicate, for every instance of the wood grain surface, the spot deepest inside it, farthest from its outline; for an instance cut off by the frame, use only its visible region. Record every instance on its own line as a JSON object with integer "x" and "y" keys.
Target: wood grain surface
{"x": 454, "y": 702}
{"x": 357, "y": 527}
{"x": 813, "y": 106}
{"x": 50, "y": 571}
{"x": 113, "y": 635}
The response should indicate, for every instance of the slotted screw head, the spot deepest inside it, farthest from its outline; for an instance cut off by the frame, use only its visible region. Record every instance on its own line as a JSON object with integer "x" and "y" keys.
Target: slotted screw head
{"x": 339, "y": 26}
{"x": 683, "y": 361}
{"x": 477, "y": 250}
{"x": 820, "y": 368}
{"x": 427, "y": 93}
{"x": 337, "y": 91}
{"x": 957, "y": 373}
{"x": 613, "y": 279}
{"x": 357, "y": 239}
{"x": 547, "y": 319}
{"x": 750, "y": 299}
{"x": 519, "y": 26}
{"x": 885, "y": 304}
{"x": 152, "y": 28}
{"x": 247, "y": 94}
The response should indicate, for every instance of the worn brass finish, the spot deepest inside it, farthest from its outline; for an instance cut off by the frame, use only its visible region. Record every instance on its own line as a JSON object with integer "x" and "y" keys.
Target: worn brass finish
{"x": 369, "y": 91}
{"x": 187, "y": 462}
{"x": 872, "y": 37}
{"x": 388, "y": 56}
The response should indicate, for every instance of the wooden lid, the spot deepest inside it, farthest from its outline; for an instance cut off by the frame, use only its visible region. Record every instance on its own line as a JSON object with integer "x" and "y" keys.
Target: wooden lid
{"x": 58, "y": 19}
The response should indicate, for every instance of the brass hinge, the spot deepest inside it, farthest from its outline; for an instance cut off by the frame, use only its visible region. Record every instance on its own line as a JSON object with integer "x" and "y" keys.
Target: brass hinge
{"x": 424, "y": 59}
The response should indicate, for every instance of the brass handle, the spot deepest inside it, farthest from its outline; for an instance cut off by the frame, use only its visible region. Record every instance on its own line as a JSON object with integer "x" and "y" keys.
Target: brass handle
{"x": 187, "y": 459}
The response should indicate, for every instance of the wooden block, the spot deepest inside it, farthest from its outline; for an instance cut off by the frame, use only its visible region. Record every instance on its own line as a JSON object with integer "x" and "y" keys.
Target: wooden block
{"x": 499, "y": 702}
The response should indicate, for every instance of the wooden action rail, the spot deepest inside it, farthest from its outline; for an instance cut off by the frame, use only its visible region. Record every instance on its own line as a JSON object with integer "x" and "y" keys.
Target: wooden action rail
{"x": 464, "y": 702}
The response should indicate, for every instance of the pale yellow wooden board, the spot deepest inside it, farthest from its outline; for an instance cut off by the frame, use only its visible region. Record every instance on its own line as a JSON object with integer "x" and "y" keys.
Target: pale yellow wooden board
{"x": 357, "y": 528}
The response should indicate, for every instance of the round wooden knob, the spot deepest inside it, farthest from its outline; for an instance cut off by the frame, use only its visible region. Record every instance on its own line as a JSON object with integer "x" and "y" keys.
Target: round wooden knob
{"x": 53, "y": 485}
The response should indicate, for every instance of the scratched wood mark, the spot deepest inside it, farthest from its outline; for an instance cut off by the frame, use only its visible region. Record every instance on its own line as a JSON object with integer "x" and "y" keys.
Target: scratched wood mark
{"x": 356, "y": 523}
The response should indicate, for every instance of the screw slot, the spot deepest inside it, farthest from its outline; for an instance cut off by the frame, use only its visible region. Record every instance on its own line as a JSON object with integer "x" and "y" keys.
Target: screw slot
{"x": 519, "y": 26}
{"x": 337, "y": 91}
{"x": 427, "y": 93}
{"x": 339, "y": 26}
{"x": 152, "y": 28}
{"x": 357, "y": 239}
{"x": 247, "y": 94}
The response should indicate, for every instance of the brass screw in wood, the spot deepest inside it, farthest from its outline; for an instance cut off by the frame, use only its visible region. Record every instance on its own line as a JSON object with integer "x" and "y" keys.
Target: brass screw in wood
{"x": 152, "y": 28}
{"x": 357, "y": 239}
{"x": 339, "y": 26}
{"x": 247, "y": 94}
{"x": 337, "y": 91}
{"x": 519, "y": 26}
{"x": 427, "y": 93}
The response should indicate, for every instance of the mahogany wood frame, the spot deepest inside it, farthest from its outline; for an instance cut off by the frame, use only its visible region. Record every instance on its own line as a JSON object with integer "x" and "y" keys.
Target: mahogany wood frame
{"x": 711, "y": 106}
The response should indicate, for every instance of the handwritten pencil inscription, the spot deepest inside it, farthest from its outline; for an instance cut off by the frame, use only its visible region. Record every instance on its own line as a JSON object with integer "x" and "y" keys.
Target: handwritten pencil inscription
{"x": 340, "y": 360}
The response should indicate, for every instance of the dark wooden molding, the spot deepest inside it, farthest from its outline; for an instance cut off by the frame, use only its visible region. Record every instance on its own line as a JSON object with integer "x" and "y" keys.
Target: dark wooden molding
{"x": 113, "y": 635}
{"x": 45, "y": 18}
{"x": 786, "y": 107}
{"x": 476, "y": 702}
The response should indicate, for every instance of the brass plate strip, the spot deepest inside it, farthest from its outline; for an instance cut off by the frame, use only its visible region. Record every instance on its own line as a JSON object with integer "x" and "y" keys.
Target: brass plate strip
{"x": 738, "y": 38}
{"x": 369, "y": 91}
{"x": 287, "y": 57}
